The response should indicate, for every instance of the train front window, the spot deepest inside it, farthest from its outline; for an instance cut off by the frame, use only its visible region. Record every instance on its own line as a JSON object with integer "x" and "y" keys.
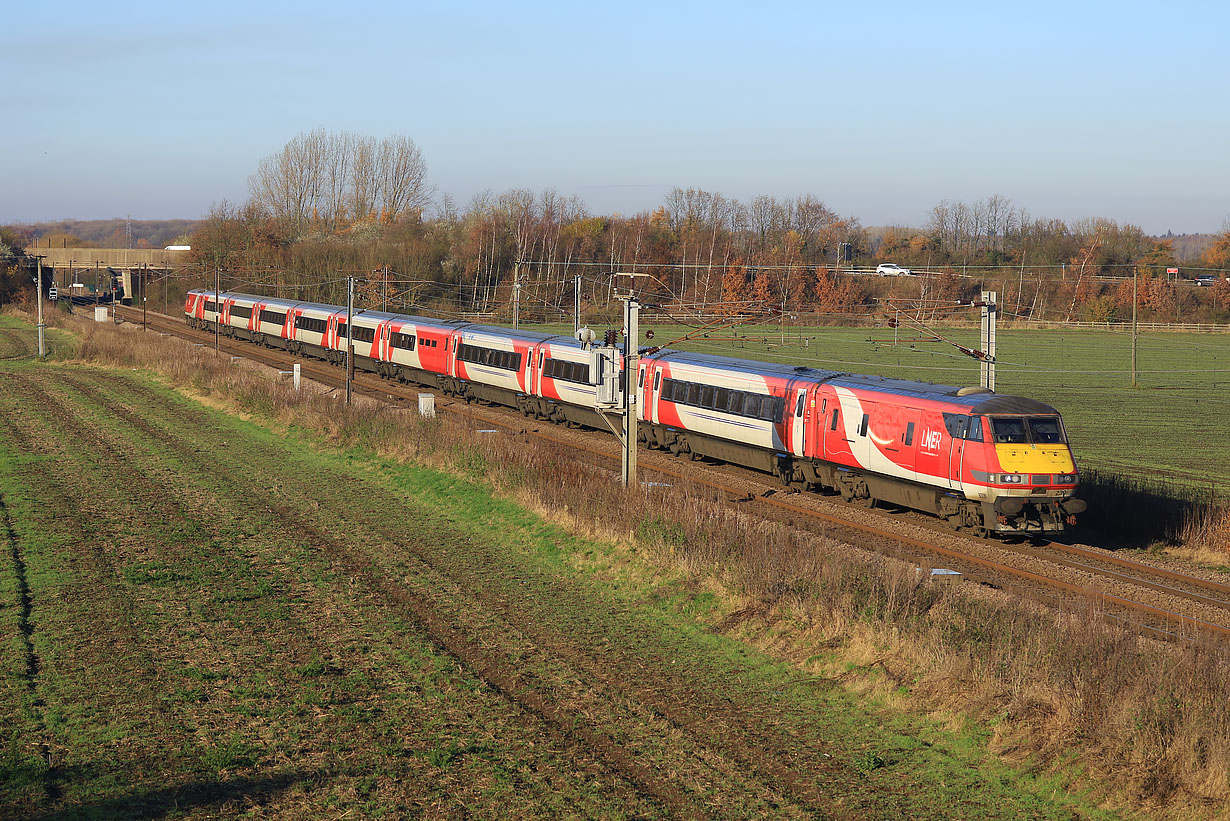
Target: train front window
{"x": 1009, "y": 431}
{"x": 1046, "y": 430}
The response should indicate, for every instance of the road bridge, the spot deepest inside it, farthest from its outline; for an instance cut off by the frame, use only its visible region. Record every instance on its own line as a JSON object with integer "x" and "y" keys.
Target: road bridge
{"x": 94, "y": 268}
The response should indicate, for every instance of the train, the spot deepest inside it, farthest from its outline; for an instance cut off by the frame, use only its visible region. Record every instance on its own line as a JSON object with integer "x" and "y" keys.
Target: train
{"x": 988, "y": 463}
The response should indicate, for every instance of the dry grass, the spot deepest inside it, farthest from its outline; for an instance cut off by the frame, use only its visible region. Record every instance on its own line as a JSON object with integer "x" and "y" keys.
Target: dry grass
{"x": 1149, "y": 724}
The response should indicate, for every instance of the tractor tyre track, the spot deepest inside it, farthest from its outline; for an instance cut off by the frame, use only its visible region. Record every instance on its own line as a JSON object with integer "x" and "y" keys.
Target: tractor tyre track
{"x": 726, "y": 729}
{"x": 444, "y": 636}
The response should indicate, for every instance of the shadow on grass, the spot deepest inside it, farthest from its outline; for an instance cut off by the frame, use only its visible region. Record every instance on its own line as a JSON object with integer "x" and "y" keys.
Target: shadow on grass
{"x": 1134, "y": 512}
{"x": 177, "y": 800}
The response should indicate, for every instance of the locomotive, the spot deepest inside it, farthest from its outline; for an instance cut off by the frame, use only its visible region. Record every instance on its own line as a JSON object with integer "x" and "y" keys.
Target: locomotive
{"x": 986, "y": 462}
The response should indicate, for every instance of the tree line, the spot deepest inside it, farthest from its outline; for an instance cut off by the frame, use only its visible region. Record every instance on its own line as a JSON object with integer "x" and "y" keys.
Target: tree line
{"x": 330, "y": 205}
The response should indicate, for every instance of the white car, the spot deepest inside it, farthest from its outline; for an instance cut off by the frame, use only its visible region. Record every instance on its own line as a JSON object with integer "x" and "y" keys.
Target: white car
{"x": 888, "y": 269}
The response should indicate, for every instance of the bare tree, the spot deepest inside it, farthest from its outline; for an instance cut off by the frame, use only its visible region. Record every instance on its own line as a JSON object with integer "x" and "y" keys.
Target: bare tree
{"x": 403, "y": 177}
{"x": 319, "y": 176}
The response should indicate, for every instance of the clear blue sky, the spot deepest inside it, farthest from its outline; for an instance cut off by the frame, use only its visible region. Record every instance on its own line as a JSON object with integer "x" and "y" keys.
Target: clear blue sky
{"x": 1115, "y": 109}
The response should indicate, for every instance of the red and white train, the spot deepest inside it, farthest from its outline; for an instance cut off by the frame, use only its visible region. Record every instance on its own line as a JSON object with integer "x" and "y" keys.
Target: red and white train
{"x": 983, "y": 461}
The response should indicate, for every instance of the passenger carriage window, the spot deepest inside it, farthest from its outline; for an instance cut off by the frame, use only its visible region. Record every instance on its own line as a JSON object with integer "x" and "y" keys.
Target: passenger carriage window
{"x": 798, "y": 407}
{"x": 706, "y": 396}
{"x": 909, "y": 434}
{"x": 833, "y": 426}
{"x": 693, "y": 397}
{"x": 657, "y": 380}
{"x": 862, "y": 426}
{"x": 640, "y": 380}
{"x": 735, "y": 405}
{"x": 722, "y": 400}
{"x": 751, "y": 405}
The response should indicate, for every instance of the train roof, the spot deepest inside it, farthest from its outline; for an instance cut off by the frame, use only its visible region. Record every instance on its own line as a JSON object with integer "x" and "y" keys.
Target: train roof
{"x": 731, "y": 363}
{"x": 977, "y": 400}
{"x": 379, "y": 316}
{"x": 534, "y": 336}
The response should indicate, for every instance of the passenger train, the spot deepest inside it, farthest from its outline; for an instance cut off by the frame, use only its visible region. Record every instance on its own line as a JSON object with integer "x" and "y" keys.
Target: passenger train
{"x": 986, "y": 462}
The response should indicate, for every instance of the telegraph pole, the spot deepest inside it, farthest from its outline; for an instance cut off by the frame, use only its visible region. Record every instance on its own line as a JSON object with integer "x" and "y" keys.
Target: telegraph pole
{"x": 1135, "y": 275}
{"x": 987, "y": 365}
{"x": 217, "y": 310}
{"x": 516, "y": 295}
{"x": 576, "y": 304}
{"x": 42, "y": 340}
{"x": 632, "y": 361}
{"x": 349, "y": 335}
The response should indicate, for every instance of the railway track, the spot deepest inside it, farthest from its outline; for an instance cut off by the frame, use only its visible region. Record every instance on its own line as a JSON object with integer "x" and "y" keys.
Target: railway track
{"x": 1153, "y": 600}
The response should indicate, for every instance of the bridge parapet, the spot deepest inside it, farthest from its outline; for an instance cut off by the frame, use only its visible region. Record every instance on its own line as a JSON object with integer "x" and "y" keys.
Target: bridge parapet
{"x": 118, "y": 258}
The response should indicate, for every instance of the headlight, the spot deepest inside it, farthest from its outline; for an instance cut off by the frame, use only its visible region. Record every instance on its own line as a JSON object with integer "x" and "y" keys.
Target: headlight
{"x": 1011, "y": 478}
{"x": 1065, "y": 478}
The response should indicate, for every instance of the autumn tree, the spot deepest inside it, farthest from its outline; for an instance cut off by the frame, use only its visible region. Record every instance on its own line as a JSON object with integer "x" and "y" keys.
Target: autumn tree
{"x": 735, "y": 288}
{"x": 1217, "y": 255}
{"x": 13, "y": 278}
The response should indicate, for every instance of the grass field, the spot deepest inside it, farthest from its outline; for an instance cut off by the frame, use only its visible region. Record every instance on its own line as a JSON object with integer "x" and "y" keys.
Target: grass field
{"x": 1172, "y": 425}
{"x": 200, "y": 615}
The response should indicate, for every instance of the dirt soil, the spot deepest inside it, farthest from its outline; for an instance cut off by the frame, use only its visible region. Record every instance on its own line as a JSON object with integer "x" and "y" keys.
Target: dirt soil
{"x": 201, "y": 616}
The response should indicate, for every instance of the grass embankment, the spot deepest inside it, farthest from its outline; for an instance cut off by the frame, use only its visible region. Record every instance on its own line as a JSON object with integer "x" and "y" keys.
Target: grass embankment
{"x": 202, "y": 615}
{"x": 620, "y": 656}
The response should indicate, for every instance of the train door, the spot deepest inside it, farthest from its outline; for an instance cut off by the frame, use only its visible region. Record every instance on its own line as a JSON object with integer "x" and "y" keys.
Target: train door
{"x": 838, "y": 444}
{"x": 798, "y": 431}
{"x": 384, "y": 352}
{"x": 656, "y": 394}
{"x": 955, "y": 424}
{"x": 905, "y": 450}
{"x": 862, "y": 444}
{"x": 533, "y": 375}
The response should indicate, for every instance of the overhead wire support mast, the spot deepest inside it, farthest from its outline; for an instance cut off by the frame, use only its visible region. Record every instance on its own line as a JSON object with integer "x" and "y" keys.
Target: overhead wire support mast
{"x": 42, "y": 327}
{"x": 632, "y": 361}
{"x": 349, "y": 335}
{"x": 987, "y": 364}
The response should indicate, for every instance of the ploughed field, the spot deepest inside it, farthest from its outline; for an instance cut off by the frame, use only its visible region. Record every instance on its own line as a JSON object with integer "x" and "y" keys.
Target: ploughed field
{"x": 200, "y": 615}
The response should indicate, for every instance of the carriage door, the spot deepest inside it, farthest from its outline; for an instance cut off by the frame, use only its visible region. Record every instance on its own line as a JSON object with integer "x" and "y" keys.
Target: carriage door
{"x": 657, "y": 391}
{"x": 386, "y": 333}
{"x": 798, "y": 425}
